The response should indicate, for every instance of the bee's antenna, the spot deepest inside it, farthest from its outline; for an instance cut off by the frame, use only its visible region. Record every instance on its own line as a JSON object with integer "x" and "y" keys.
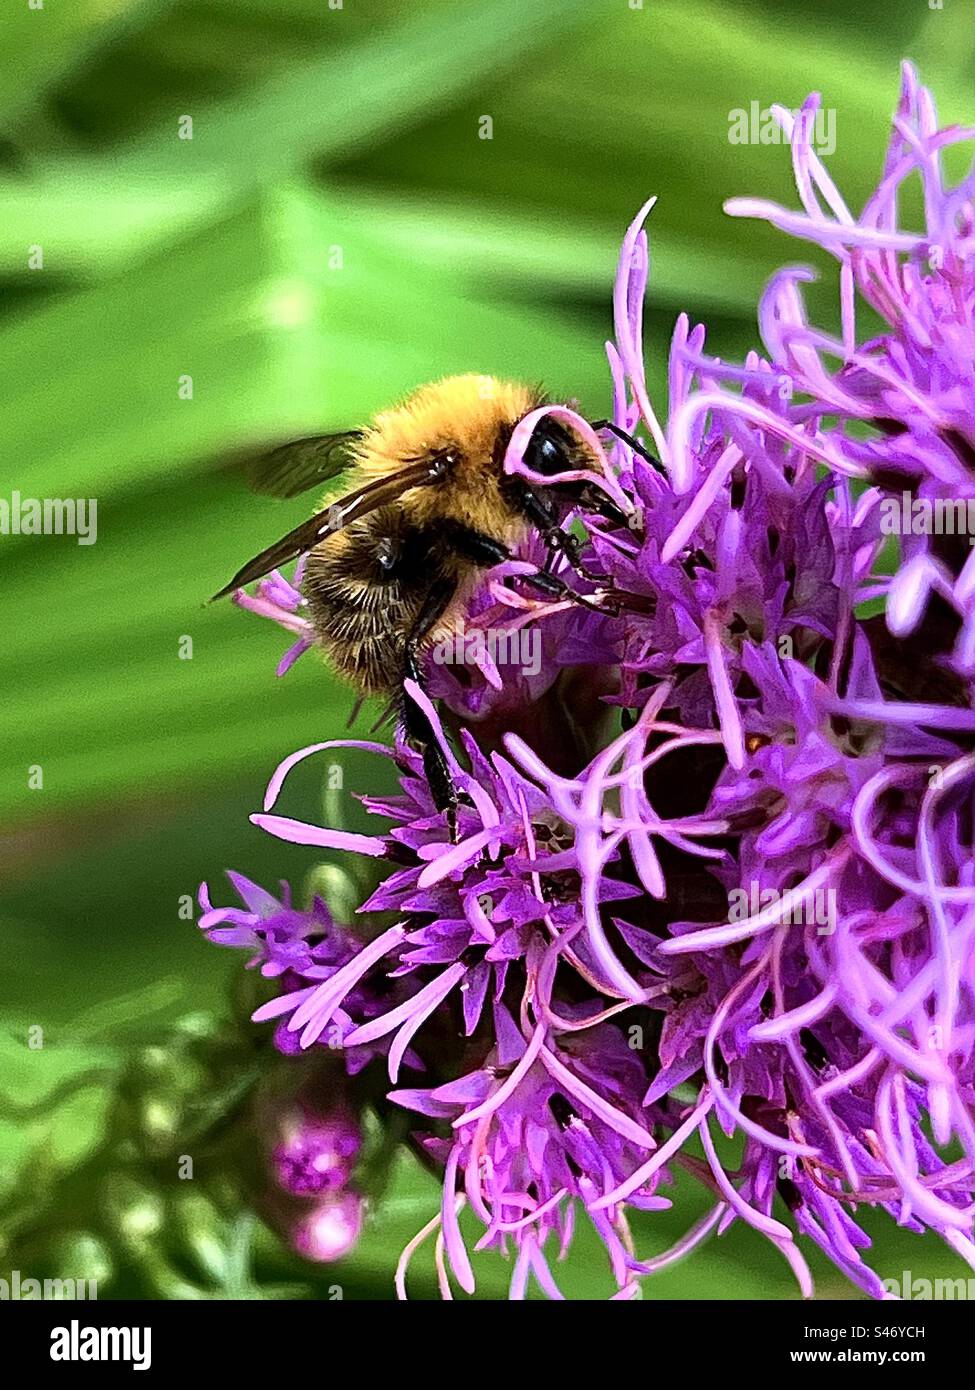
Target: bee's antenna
{"x": 634, "y": 444}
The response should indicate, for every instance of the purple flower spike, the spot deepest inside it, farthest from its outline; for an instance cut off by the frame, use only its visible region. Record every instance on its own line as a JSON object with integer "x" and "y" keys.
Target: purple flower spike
{"x": 713, "y": 866}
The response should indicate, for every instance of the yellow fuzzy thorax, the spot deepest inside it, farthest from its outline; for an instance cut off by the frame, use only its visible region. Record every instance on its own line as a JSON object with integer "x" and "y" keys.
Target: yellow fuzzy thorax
{"x": 462, "y": 412}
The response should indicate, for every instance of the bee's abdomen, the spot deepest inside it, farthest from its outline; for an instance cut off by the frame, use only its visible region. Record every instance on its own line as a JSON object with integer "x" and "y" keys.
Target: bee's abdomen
{"x": 365, "y": 588}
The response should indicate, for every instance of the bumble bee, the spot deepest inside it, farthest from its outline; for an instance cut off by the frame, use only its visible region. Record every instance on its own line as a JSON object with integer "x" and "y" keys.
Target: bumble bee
{"x": 392, "y": 564}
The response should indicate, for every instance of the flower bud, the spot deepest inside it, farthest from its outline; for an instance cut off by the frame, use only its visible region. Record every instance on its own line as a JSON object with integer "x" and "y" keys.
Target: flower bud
{"x": 330, "y": 1229}
{"x": 317, "y": 1152}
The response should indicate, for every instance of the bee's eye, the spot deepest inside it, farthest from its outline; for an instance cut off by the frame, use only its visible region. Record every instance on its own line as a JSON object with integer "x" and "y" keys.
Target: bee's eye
{"x": 549, "y": 449}
{"x": 549, "y": 452}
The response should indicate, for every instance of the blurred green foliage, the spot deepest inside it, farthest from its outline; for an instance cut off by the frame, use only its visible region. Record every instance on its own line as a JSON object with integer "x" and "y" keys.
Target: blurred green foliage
{"x": 334, "y": 233}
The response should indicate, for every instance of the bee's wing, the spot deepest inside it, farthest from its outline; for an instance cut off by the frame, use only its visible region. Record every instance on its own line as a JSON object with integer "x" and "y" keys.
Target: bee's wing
{"x": 302, "y": 464}
{"x": 304, "y": 537}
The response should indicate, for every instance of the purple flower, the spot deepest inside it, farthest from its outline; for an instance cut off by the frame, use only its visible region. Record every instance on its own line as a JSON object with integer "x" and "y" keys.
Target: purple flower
{"x": 282, "y": 601}
{"x": 469, "y": 909}
{"x": 744, "y": 902}
{"x": 533, "y": 1133}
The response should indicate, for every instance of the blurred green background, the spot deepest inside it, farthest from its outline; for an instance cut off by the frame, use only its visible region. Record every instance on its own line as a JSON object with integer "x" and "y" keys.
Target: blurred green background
{"x": 334, "y": 233}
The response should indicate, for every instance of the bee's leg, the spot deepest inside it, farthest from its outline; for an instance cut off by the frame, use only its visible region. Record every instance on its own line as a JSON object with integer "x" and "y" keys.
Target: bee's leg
{"x": 545, "y": 518}
{"x": 564, "y": 543}
{"x": 486, "y": 551}
{"x": 416, "y": 724}
{"x": 420, "y": 733}
{"x": 551, "y": 584}
{"x": 537, "y": 510}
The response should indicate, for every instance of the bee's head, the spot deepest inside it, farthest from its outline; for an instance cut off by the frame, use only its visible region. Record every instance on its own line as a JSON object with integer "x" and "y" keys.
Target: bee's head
{"x": 554, "y": 449}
